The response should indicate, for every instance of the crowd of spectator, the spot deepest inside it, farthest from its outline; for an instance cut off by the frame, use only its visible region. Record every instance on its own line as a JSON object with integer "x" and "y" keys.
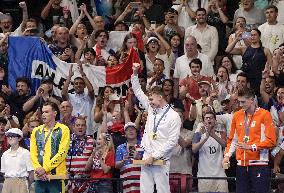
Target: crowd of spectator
{"x": 202, "y": 53}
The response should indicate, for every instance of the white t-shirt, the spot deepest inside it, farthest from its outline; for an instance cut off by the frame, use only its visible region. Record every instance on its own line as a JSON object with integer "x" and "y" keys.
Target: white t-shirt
{"x": 210, "y": 158}
{"x": 271, "y": 35}
{"x": 182, "y": 68}
{"x": 16, "y": 164}
{"x": 208, "y": 39}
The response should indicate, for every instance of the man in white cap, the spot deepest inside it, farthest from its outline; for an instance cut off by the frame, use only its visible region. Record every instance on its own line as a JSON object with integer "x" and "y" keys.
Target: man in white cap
{"x": 125, "y": 153}
{"x": 16, "y": 164}
{"x": 161, "y": 135}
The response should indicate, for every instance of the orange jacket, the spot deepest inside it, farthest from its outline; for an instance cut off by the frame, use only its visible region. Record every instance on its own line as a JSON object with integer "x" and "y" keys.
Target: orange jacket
{"x": 262, "y": 137}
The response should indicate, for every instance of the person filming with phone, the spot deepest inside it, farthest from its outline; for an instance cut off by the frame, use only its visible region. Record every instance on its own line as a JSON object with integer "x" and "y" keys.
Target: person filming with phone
{"x": 255, "y": 57}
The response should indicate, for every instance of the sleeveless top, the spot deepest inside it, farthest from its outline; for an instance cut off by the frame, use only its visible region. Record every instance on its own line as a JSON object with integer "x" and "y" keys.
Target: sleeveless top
{"x": 254, "y": 61}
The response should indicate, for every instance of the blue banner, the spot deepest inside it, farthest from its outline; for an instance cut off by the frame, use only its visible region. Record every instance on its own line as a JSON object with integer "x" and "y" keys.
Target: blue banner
{"x": 22, "y": 53}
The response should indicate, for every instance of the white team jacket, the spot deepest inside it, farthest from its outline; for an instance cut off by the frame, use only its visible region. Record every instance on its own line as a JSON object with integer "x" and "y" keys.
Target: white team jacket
{"x": 168, "y": 130}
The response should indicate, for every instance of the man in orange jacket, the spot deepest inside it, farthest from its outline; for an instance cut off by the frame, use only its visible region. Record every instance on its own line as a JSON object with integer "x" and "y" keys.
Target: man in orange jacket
{"x": 252, "y": 135}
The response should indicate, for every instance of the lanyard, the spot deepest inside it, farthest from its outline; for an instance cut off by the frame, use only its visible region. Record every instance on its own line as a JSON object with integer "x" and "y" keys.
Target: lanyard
{"x": 246, "y": 124}
{"x": 156, "y": 126}
{"x": 45, "y": 139}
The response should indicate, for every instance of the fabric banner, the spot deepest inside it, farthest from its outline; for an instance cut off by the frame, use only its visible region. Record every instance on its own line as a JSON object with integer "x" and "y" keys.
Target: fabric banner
{"x": 30, "y": 57}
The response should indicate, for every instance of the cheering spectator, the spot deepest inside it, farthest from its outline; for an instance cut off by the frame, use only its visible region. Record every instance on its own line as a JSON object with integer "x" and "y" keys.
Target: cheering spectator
{"x": 206, "y": 35}
{"x": 66, "y": 116}
{"x": 43, "y": 94}
{"x": 81, "y": 101}
{"x": 278, "y": 65}
{"x": 254, "y": 16}
{"x": 182, "y": 68}
{"x": 158, "y": 76}
{"x": 223, "y": 83}
{"x": 181, "y": 161}
{"x": 19, "y": 98}
{"x": 239, "y": 27}
{"x": 208, "y": 142}
{"x": 125, "y": 153}
{"x": 228, "y": 62}
{"x": 272, "y": 31}
{"x": 61, "y": 46}
{"x": 171, "y": 26}
{"x": 158, "y": 48}
{"x": 100, "y": 164}
{"x": 255, "y": 58}
{"x": 81, "y": 148}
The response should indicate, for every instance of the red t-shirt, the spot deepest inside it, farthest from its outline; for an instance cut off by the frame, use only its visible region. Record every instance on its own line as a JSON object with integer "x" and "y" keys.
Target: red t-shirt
{"x": 193, "y": 89}
{"x": 97, "y": 171}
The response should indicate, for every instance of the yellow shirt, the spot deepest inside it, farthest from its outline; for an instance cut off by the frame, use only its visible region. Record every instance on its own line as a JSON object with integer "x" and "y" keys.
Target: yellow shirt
{"x": 52, "y": 157}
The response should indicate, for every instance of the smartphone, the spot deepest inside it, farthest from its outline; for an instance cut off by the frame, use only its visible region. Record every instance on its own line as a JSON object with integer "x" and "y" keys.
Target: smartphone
{"x": 246, "y": 35}
{"x": 135, "y": 5}
{"x": 131, "y": 151}
{"x": 34, "y": 31}
{"x": 114, "y": 97}
{"x": 153, "y": 24}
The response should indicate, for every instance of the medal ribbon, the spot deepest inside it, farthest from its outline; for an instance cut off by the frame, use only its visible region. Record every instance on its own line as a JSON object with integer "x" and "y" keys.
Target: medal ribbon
{"x": 155, "y": 128}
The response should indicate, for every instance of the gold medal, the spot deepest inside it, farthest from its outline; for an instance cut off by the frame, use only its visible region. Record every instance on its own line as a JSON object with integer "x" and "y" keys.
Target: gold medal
{"x": 246, "y": 139}
{"x": 154, "y": 136}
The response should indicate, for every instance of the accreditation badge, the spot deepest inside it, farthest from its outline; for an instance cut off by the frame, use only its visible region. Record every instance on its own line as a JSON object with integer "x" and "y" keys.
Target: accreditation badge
{"x": 246, "y": 139}
{"x": 41, "y": 153}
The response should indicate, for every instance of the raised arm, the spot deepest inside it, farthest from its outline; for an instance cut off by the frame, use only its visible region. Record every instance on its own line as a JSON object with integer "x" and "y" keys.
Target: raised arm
{"x": 64, "y": 91}
{"x": 137, "y": 87}
{"x": 231, "y": 46}
{"x": 45, "y": 12}
{"x": 87, "y": 82}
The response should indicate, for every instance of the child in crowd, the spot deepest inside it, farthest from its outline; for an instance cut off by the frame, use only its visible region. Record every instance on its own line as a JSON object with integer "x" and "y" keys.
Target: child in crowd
{"x": 16, "y": 164}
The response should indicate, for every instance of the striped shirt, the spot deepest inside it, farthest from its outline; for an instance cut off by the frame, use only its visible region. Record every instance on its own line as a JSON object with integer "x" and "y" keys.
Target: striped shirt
{"x": 79, "y": 152}
{"x": 128, "y": 170}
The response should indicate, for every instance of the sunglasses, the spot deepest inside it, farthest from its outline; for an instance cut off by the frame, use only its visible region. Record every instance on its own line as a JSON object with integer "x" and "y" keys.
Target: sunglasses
{"x": 13, "y": 135}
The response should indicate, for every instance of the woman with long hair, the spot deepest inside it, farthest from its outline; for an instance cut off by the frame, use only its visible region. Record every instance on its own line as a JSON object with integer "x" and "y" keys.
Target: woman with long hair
{"x": 239, "y": 27}
{"x": 223, "y": 83}
{"x": 101, "y": 163}
{"x": 255, "y": 58}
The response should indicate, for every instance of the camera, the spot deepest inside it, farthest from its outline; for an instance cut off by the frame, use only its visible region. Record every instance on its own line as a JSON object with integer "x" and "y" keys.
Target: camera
{"x": 131, "y": 151}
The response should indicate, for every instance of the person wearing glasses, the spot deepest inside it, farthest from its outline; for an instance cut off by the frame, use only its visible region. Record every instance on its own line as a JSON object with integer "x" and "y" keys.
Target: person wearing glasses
{"x": 16, "y": 164}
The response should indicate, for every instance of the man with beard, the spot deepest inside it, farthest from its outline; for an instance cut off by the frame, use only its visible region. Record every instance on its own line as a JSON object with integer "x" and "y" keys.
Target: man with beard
{"x": 267, "y": 87}
{"x": 81, "y": 101}
{"x": 49, "y": 147}
{"x": 206, "y": 35}
{"x": 18, "y": 99}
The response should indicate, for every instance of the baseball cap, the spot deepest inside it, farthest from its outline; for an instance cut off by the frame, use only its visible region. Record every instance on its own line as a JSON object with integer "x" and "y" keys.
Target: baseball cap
{"x": 129, "y": 124}
{"x": 150, "y": 39}
{"x": 204, "y": 82}
{"x": 46, "y": 79}
{"x": 14, "y": 131}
